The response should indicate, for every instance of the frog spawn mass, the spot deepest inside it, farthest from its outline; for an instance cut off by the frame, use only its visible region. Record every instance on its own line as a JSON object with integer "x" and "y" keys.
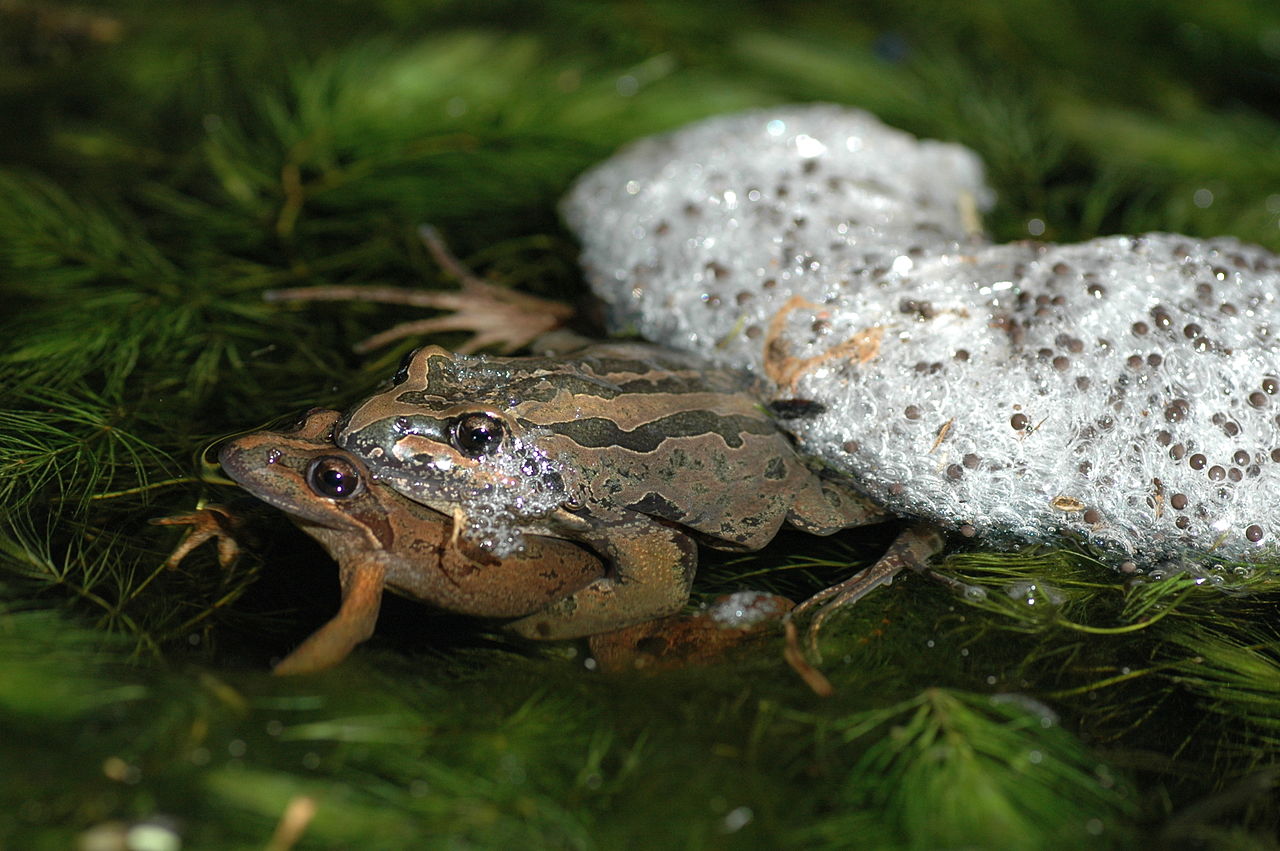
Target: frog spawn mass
{"x": 1125, "y": 390}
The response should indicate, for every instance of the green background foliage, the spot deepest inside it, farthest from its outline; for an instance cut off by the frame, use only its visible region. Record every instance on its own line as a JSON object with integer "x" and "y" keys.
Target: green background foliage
{"x": 161, "y": 164}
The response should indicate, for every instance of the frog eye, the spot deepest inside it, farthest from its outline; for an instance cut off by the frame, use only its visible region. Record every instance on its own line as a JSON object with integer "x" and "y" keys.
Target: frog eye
{"x": 333, "y": 477}
{"x": 477, "y": 434}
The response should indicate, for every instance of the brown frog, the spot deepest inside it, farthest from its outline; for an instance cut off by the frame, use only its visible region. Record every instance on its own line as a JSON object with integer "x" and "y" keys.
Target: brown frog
{"x": 380, "y": 540}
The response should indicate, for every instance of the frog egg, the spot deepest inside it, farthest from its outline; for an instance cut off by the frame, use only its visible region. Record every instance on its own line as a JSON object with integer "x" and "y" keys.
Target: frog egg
{"x": 1035, "y": 593}
{"x": 1124, "y": 391}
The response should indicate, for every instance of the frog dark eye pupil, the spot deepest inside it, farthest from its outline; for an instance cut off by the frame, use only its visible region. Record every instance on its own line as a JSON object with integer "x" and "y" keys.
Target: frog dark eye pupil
{"x": 477, "y": 434}
{"x": 333, "y": 477}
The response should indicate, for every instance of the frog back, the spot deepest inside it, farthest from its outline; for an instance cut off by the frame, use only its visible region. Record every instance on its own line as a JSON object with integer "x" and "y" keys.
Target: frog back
{"x": 674, "y": 438}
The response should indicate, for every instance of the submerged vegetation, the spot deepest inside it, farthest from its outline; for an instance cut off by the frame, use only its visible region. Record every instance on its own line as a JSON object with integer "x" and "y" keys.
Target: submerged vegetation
{"x": 161, "y": 165}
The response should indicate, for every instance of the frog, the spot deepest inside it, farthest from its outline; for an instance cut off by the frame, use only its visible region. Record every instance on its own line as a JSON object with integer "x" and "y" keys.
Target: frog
{"x": 380, "y": 540}
{"x": 635, "y": 452}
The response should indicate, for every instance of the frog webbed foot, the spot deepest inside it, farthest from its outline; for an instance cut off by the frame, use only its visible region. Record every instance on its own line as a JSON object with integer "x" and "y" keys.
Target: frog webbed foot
{"x": 911, "y": 549}
{"x": 495, "y": 316}
{"x": 213, "y": 522}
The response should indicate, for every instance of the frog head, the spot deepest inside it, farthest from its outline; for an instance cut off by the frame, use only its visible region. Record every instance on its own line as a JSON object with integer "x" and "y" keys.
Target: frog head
{"x": 303, "y": 474}
{"x": 448, "y": 433}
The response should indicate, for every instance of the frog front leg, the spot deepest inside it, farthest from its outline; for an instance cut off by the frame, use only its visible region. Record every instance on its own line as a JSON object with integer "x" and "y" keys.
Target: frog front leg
{"x": 362, "y": 579}
{"x": 652, "y": 568}
{"x": 213, "y": 522}
{"x": 362, "y": 586}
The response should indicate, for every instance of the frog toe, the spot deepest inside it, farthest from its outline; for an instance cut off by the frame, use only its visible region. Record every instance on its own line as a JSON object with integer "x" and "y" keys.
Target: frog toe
{"x": 213, "y": 522}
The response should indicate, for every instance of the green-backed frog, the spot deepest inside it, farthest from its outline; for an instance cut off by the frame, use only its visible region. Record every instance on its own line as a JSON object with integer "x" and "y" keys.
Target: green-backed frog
{"x": 381, "y": 539}
{"x": 630, "y": 450}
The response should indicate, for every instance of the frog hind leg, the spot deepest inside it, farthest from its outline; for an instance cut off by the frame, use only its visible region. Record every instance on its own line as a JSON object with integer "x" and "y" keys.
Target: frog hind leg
{"x": 823, "y": 508}
{"x": 912, "y": 549}
{"x": 497, "y": 317}
{"x": 731, "y": 622}
{"x": 361, "y": 599}
{"x": 651, "y": 572}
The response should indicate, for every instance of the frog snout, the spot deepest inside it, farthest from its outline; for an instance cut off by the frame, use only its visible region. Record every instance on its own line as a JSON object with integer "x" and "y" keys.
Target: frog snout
{"x": 235, "y": 460}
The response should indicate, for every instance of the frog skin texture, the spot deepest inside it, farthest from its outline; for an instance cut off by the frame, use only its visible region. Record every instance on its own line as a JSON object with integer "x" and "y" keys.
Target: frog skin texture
{"x": 629, "y": 450}
{"x": 382, "y": 540}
